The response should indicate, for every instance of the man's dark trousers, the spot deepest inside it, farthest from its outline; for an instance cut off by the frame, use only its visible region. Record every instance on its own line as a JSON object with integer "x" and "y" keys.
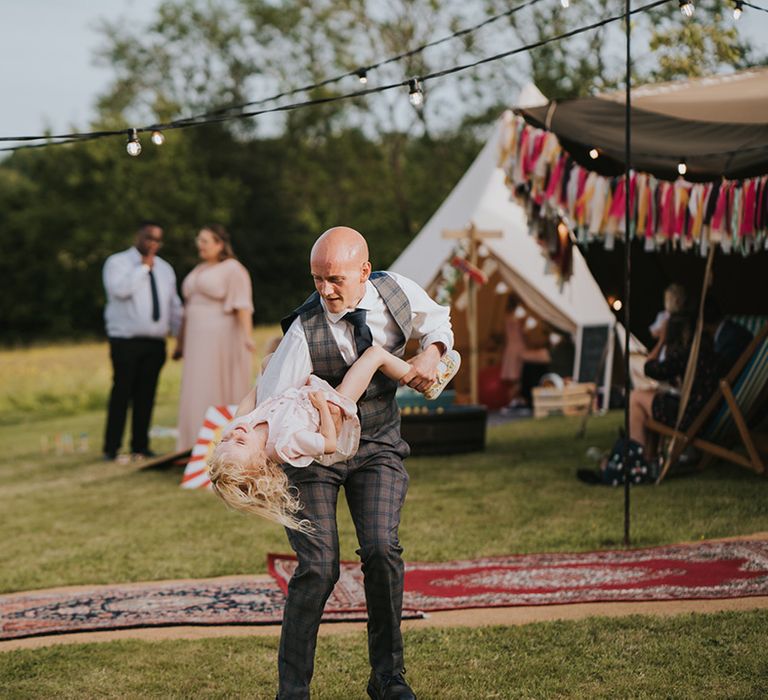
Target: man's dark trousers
{"x": 136, "y": 365}
{"x": 375, "y": 488}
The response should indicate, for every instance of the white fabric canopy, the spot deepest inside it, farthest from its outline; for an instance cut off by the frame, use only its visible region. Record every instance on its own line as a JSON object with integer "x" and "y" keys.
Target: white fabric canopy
{"x": 482, "y": 197}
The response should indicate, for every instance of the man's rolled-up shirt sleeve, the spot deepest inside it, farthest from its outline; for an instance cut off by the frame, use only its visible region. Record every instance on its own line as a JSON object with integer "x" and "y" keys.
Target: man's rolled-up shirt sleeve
{"x": 289, "y": 367}
{"x": 431, "y": 321}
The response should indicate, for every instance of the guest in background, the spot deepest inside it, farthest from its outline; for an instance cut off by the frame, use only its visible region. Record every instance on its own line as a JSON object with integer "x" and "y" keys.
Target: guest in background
{"x": 142, "y": 308}
{"x": 526, "y": 356}
{"x": 217, "y": 337}
{"x": 514, "y": 349}
{"x": 537, "y": 356}
{"x": 663, "y": 405}
{"x": 675, "y": 299}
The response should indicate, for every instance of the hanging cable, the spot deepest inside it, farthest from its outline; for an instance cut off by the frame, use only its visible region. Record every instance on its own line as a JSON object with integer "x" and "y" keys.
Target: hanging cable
{"x": 362, "y": 73}
{"x": 183, "y": 124}
{"x": 753, "y": 6}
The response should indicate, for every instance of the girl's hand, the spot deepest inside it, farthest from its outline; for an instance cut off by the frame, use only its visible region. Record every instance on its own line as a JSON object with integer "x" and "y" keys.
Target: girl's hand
{"x": 318, "y": 400}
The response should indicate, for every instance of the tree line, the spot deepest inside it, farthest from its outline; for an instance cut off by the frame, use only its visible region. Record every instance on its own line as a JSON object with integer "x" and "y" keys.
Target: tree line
{"x": 375, "y": 163}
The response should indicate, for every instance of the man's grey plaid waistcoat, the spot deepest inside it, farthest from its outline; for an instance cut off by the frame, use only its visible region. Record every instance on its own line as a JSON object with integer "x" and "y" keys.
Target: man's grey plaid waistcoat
{"x": 379, "y": 414}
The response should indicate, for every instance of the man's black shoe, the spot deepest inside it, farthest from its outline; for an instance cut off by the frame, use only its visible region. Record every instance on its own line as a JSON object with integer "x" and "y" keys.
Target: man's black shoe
{"x": 381, "y": 687}
{"x": 110, "y": 456}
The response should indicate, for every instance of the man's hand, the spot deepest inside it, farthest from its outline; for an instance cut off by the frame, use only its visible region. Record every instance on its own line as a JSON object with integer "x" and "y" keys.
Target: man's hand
{"x": 423, "y": 371}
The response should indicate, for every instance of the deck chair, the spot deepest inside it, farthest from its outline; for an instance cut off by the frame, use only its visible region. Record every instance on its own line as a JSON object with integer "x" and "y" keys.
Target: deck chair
{"x": 728, "y": 412}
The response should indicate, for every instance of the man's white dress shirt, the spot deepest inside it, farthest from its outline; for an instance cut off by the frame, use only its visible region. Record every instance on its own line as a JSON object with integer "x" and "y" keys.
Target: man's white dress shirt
{"x": 128, "y": 313}
{"x": 291, "y": 364}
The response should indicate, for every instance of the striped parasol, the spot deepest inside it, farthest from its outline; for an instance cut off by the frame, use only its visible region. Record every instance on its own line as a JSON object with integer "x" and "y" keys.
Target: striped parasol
{"x": 196, "y": 473}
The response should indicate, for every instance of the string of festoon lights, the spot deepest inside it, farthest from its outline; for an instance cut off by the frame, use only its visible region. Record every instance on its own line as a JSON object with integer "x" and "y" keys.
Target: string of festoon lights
{"x": 361, "y": 73}
{"x": 415, "y": 85}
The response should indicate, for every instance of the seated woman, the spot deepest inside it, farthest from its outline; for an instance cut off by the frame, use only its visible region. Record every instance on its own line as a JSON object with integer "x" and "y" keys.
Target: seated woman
{"x": 663, "y": 404}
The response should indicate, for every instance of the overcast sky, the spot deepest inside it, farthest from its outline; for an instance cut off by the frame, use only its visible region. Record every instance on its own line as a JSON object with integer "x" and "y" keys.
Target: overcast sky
{"x": 47, "y": 76}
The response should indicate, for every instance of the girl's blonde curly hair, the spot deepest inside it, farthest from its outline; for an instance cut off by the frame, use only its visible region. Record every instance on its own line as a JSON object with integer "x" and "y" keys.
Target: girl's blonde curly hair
{"x": 258, "y": 487}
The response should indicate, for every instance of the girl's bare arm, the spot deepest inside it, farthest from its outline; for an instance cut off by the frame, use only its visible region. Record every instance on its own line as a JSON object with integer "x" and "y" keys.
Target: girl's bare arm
{"x": 247, "y": 404}
{"x": 327, "y": 427}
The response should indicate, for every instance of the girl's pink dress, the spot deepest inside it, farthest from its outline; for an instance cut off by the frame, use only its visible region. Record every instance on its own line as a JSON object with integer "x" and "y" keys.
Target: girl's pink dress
{"x": 294, "y": 425}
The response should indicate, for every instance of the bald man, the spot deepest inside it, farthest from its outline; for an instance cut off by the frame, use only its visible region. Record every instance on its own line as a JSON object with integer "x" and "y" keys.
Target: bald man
{"x": 352, "y": 308}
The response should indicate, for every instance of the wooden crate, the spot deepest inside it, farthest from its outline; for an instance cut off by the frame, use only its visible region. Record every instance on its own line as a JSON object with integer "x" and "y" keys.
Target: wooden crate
{"x": 571, "y": 400}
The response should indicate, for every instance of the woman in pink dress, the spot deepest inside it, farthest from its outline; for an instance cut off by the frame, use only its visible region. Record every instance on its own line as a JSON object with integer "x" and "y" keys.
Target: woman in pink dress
{"x": 216, "y": 338}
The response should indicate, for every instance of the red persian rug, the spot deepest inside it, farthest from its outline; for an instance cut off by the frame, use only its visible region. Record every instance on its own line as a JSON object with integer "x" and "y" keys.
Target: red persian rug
{"x": 706, "y": 570}
{"x": 159, "y": 604}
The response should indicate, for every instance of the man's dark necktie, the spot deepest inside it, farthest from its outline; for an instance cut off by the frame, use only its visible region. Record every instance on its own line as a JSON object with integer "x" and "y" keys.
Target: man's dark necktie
{"x": 363, "y": 337}
{"x": 155, "y": 299}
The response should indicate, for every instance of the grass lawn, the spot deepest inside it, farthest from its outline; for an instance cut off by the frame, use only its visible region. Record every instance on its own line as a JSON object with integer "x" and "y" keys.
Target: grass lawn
{"x": 71, "y": 519}
{"x": 693, "y": 656}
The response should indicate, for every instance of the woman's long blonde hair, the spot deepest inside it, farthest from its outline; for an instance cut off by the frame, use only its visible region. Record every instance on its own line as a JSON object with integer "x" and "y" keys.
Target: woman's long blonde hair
{"x": 260, "y": 488}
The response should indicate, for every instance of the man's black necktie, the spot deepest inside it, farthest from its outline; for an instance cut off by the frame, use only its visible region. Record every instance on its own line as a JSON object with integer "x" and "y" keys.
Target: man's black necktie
{"x": 155, "y": 299}
{"x": 363, "y": 337}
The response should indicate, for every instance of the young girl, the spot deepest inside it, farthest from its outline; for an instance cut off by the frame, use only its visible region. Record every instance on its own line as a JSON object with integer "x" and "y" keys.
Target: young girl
{"x": 315, "y": 423}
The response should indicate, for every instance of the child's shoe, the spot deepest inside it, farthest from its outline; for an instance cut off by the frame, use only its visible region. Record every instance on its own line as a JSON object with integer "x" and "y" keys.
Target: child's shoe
{"x": 446, "y": 370}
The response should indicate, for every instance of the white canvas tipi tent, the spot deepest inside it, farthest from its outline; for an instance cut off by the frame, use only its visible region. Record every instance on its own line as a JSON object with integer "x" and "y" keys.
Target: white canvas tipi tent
{"x": 575, "y": 306}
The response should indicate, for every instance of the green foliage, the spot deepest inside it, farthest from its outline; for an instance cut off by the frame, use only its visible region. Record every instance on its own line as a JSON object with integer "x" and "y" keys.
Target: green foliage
{"x": 665, "y": 45}
{"x": 71, "y": 207}
{"x": 374, "y": 163}
{"x": 63, "y": 210}
{"x": 696, "y": 48}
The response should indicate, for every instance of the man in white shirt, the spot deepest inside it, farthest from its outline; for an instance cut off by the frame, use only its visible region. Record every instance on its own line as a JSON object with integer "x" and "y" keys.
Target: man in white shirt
{"x": 143, "y": 307}
{"x": 352, "y": 309}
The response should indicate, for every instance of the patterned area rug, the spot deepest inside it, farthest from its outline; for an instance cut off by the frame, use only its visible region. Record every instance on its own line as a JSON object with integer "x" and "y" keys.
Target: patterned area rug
{"x": 706, "y": 570}
{"x": 682, "y": 572}
{"x": 203, "y": 602}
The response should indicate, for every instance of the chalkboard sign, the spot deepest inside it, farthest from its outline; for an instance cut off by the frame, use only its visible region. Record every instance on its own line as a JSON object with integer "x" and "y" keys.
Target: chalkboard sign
{"x": 593, "y": 339}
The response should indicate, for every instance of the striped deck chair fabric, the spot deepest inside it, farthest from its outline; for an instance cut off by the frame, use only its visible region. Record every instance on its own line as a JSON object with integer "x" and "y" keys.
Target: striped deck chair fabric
{"x": 749, "y": 386}
{"x": 714, "y": 429}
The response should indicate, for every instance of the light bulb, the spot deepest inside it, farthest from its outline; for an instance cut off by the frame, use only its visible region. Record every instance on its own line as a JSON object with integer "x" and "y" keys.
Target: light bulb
{"x": 158, "y": 137}
{"x": 682, "y": 168}
{"x": 415, "y": 93}
{"x": 362, "y": 76}
{"x": 686, "y": 7}
{"x": 133, "y": 146}
{"x": 594, "y": 153}
{"x": 565, "y": 3}
{"x": 617, "y": 304}
{"x": 738, "y": 9}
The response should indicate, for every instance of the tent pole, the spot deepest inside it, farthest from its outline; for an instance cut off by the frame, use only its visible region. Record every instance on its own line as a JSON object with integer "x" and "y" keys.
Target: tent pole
{"x": 627, "y": 263}
{"x": 474, "y": 365}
